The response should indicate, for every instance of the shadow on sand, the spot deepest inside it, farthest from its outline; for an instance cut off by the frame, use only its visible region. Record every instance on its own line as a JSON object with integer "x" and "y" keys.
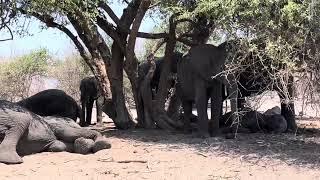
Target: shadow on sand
{"x": 302, "y": 149}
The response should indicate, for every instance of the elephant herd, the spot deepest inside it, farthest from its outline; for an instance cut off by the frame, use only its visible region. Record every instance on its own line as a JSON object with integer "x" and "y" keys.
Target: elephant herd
{"x": 200, "y": 78}
{"x": 46, "y": 121}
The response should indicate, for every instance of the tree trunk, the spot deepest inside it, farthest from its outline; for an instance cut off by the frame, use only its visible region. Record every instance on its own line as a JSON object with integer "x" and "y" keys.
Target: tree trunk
{"x": 158, "y": 112}
{"x": 287, "y": 108}
{"x": 173, "y": 110}
{"x": 123, "y": 119}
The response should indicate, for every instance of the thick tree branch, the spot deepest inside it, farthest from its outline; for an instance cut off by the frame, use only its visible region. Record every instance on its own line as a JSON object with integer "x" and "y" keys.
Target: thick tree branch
{"x": 109, "y": 11}
{"x": 152, "y": 35}
{"x": 49, "y": 21}
{"x": 136, "y": 25}
{"x": 131, "y": 60}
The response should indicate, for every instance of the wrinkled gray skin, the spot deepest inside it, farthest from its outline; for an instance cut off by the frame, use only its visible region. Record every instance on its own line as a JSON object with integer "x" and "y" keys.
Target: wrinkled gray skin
{"x": 196, "y": 85}
{"x": 24, "y": 132}
{"x": 52, "y": 102}
{"x": 90, "y": 92}
{"x": 253, "y": 121}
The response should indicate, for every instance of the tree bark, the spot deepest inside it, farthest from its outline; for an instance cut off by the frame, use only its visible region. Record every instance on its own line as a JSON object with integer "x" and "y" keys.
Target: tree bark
{"x": 157, "y": 111}
{"x": 124, "y": 119}
{"x": 131, "y": 63}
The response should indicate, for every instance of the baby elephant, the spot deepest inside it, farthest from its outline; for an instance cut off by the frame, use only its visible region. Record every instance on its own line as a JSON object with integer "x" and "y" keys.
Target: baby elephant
{"x": 253, "y": 121}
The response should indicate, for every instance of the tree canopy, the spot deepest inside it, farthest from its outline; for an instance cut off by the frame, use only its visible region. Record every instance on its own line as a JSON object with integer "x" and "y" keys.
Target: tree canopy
{"x": 285, "y": 31}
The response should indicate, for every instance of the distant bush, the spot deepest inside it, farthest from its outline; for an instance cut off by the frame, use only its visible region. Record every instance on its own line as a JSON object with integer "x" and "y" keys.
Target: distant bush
{"x": 69, "y": 72}
{"x": 17, "y": 75}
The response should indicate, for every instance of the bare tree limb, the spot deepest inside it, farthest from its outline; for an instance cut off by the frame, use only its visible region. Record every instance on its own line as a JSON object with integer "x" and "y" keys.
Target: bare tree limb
{"x": 49, "y": 21}
{"x": 11, "y": 34}
{"x": 131, "y": 63}
{"x": 135, "y": 27}
{"x": 154, "y": 5}
{"x": 152, "y": 35}
{"x": 109, "y": 11}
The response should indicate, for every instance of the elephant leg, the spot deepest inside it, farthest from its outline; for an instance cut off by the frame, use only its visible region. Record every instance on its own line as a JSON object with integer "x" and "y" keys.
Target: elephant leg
{"x": 15, "y": 126}
{"x": 85, "y": 146}
{"x": 70, "y": 134}
{"x": 216, "y": 104}
{"x": 99, "y": 105}
{"x": 89, "y": 107}
{"x": 202, "y": 106}
{"x": 187, "y": 108}
{"x": 83, "y": 113}
{"x": 59, "y": 146}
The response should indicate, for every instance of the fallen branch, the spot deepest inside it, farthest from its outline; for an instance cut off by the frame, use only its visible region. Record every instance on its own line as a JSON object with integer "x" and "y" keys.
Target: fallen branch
{"x": 123, "y": 161}
{"x": 132, "y": 161}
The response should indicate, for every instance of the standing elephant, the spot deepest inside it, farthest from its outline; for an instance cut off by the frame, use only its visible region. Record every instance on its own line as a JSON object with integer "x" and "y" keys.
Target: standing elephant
{"x": 24, "y": 132}
{"x": 196, "y": 85}
{"x": 52, "y": 102}
{"x": 90, "y": 92}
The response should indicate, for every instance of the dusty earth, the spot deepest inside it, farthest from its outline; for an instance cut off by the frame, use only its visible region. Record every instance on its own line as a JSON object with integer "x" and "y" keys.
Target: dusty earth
{"x": 155, "y": 154}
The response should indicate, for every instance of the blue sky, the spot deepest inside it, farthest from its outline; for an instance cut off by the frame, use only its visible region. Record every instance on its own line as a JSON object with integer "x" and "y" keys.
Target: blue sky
{"x": 58, "y": 44}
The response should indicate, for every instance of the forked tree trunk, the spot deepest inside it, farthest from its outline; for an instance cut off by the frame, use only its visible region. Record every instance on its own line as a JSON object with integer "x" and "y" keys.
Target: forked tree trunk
{"x": 155, "y": 109}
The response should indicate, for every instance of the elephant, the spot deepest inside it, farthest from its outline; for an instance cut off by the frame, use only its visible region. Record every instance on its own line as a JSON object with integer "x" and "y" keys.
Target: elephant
{"x": 199, "y": 80}
{"x": 145, "y": 66}
{"x": 23, "y": 133}
{"x": 252, "y": 121}
{"x": 52, "y": 102}
{"x": 90, "y": 92}
{"x": 252, "y": 82}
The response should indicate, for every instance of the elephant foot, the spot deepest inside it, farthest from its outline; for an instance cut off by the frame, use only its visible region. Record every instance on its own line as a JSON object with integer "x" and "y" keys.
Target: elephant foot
{"x": 8, "y": 156}
{"x": 57, "y": 146}
{"x": 100, "y": 144}
{"x": 83, "y": 145}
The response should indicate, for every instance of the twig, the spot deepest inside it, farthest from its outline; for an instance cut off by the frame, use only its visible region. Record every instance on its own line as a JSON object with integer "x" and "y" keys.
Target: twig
{"x": 110, "y": 159}
{"x": 201, "y": 154}
{"x": 123, "y": 161}
{"x": 132, "y": 161}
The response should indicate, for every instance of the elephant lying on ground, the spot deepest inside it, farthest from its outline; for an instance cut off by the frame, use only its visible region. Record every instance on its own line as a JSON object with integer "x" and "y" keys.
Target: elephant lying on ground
{"x": 23, "y": 132}
{"x": 253, "y": 121}
{"x": 196, "y": 85}
{"x": 259, "y": 76}
{"x": 52, "y": 102}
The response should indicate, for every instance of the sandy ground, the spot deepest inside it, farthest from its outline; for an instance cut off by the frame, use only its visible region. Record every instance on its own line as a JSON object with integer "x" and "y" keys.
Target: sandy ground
{"x": 140, "y": 154}
{"x": 155, "y": 154}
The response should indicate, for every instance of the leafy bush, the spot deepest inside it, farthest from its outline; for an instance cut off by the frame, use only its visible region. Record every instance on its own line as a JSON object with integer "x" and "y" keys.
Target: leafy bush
{"x": 17, "y": 75}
